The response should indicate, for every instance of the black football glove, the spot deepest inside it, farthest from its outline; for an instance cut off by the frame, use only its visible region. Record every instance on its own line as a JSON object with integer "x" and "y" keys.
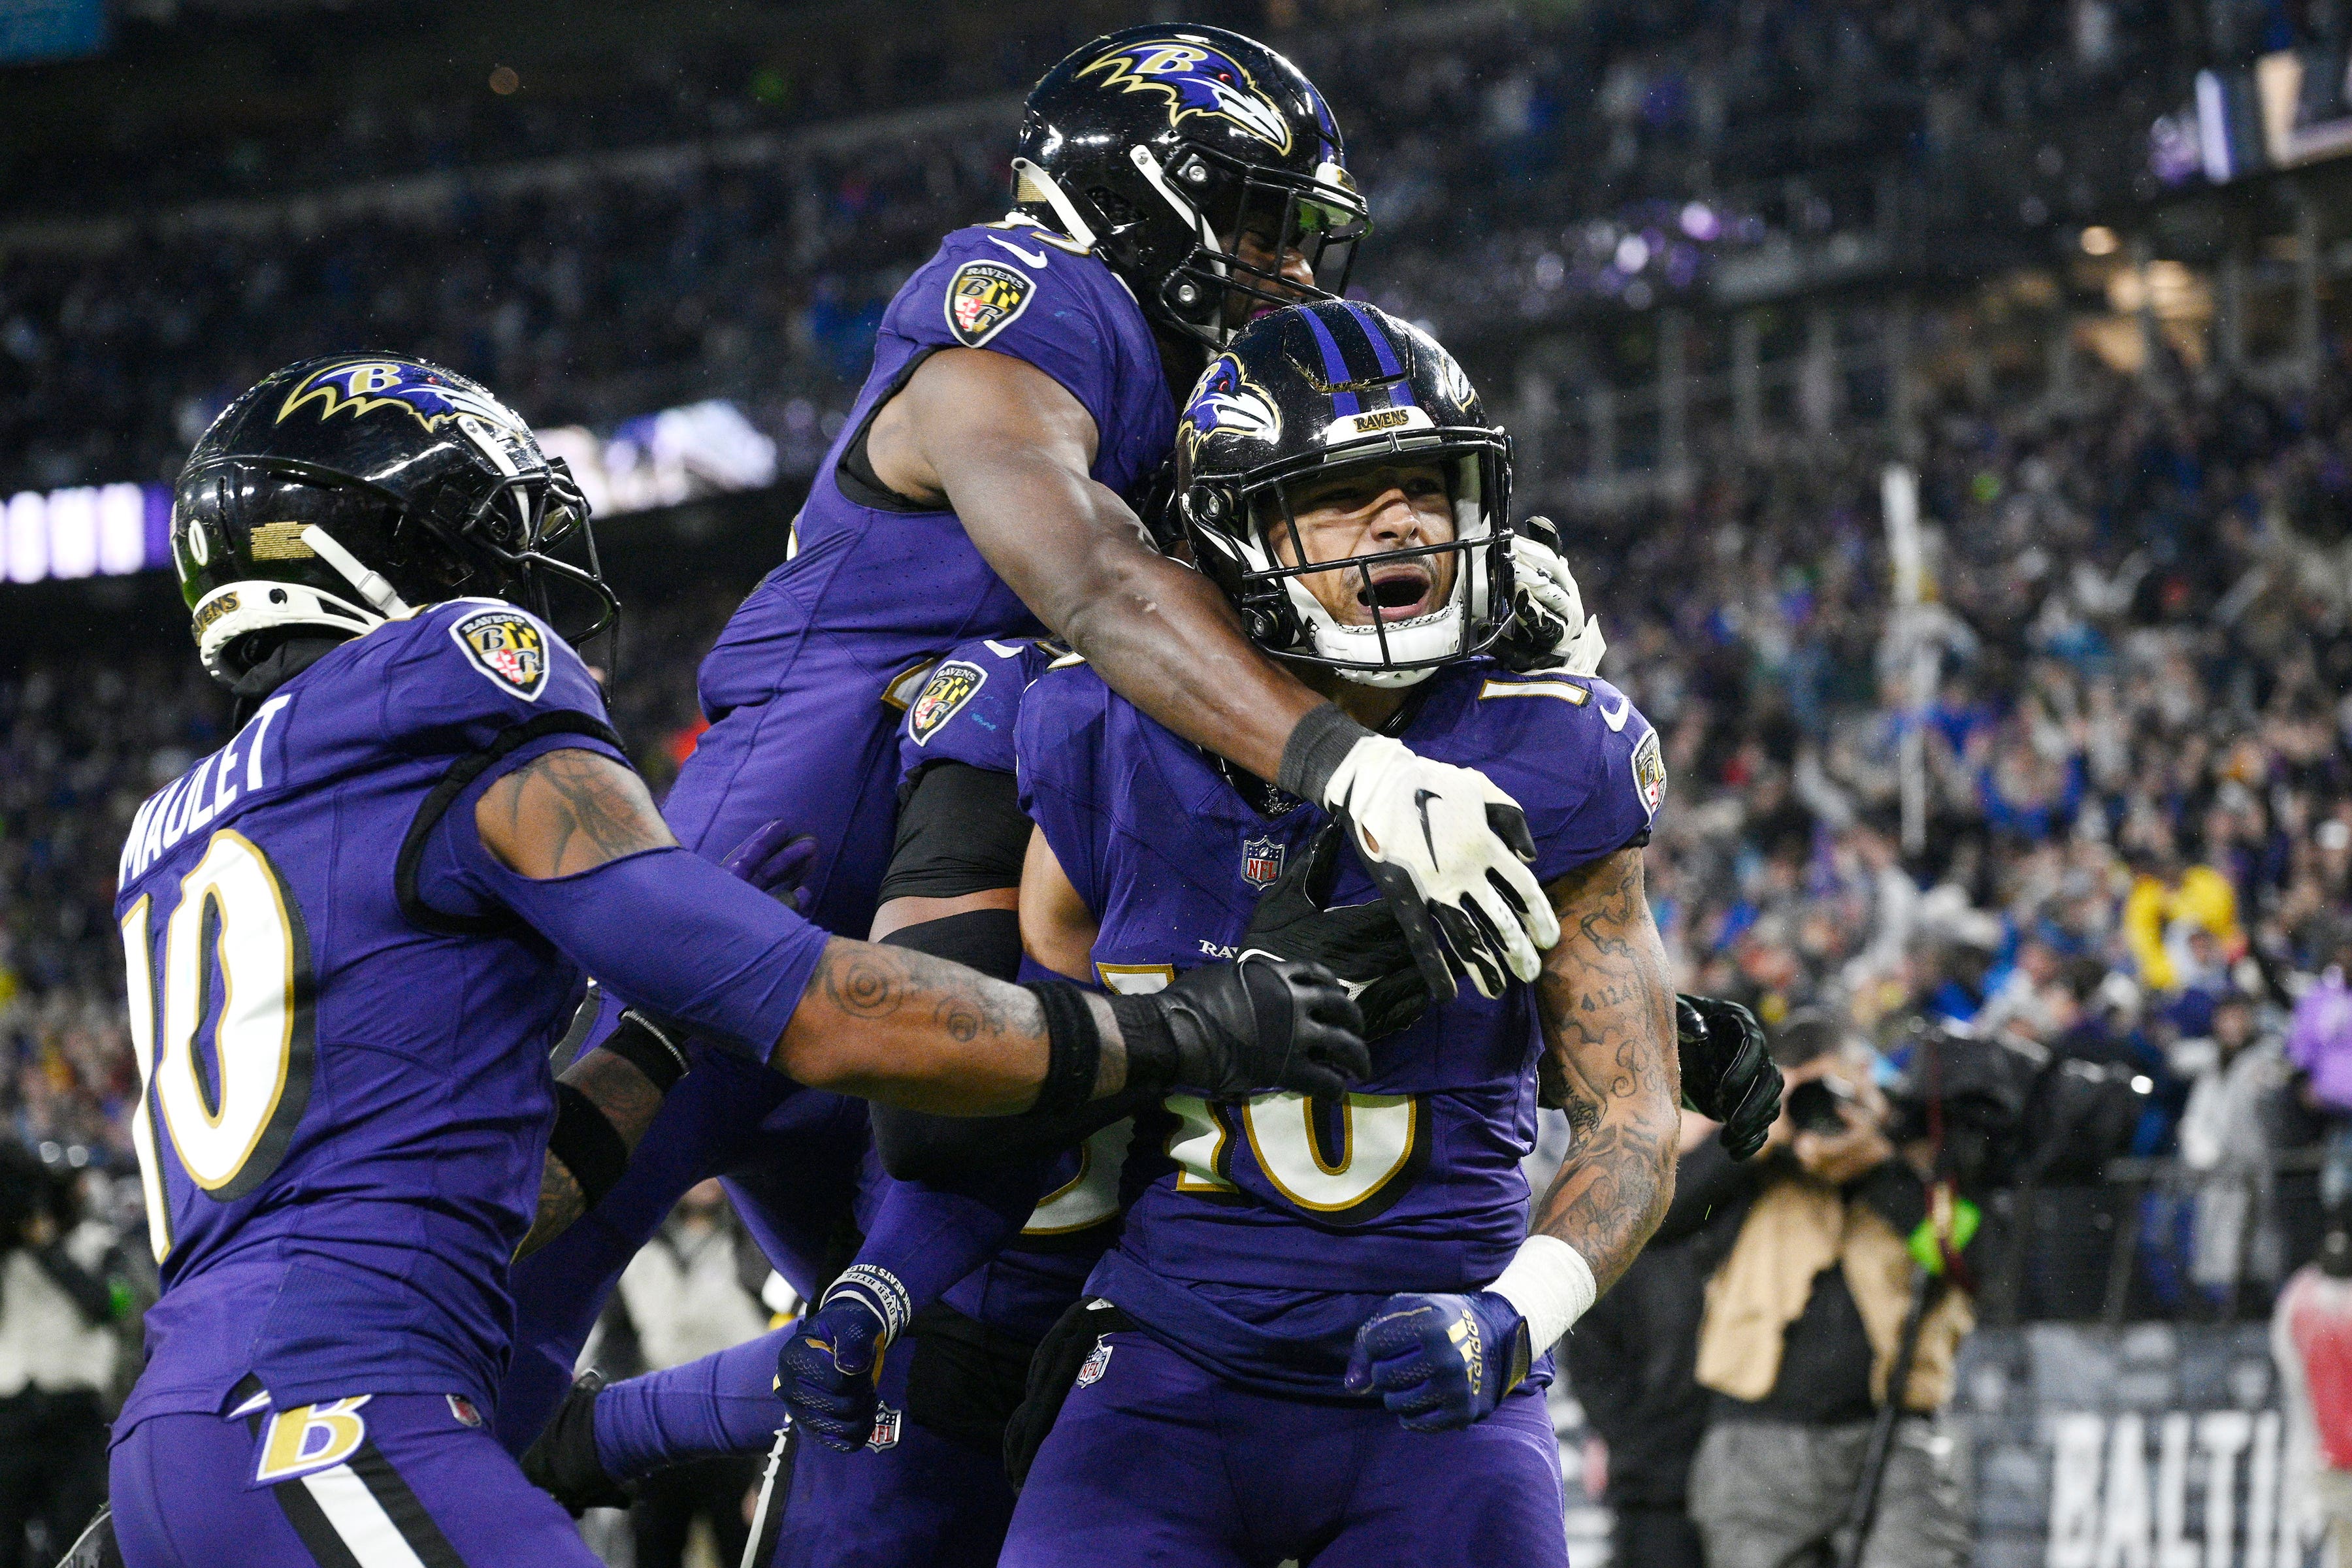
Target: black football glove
{"x": 1548, "y": 629}
{"x": 1361, "y": 943}
{"x": 1728, "y": 1074}
{"x": 562, "y": 1462}
{"x": 1235, "y": 1028}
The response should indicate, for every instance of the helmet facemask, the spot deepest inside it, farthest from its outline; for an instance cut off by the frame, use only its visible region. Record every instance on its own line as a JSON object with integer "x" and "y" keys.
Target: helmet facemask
{"x": 1216, "y": 289}
{"x": 1280, "y": 607}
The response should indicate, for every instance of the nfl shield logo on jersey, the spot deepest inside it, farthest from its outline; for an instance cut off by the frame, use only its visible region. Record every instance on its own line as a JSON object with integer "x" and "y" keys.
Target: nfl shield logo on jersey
{"x": 1261, "y": 861}
{"x": 1097, "y": 1361}
{"x": 507, "y": 646}
{"x": 885, "y": 1429}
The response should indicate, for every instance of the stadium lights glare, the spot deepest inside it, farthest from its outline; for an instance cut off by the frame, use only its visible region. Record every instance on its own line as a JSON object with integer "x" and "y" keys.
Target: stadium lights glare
{"x": 114, "y": 531}
{"x": 2098, "y": 240}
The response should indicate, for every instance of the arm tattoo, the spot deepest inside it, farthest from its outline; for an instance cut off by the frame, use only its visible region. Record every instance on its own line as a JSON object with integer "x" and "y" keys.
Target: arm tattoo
{"x": 629, "y": 1102}
{"x": 1609, "y": 1029}
{"x": 573, "y": 811}
{"x": 916, "y": 1031}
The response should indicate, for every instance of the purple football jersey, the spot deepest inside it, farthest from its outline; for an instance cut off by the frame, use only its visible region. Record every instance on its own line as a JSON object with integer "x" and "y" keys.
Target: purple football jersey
{"x": 1283, "y": 1220}
{"x": 343, "y": 1114}
{"x": 805, "y": 686}
{"x": 968, "y": 711}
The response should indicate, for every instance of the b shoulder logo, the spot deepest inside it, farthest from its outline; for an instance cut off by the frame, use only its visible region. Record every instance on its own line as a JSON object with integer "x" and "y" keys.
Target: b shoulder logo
{"x": 506, "y": 646}
{"x": 984, "y": 297}
{"x": 1097, "y": 1362}
{"x": 951, "y": 685}
{"x": 1649, "y": 774}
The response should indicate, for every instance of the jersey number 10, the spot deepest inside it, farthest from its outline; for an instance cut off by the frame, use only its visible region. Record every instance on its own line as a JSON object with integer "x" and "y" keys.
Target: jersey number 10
{"x": 237, "y": 972}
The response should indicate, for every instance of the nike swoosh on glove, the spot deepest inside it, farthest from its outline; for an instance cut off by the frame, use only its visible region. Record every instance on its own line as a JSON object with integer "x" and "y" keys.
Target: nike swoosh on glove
{"x": 1449, "y": 853}
{"x": 1254, "y": 1024}
{"x": 1549, "y": 629}
{"x": 1361, "y": 943}
{"x": 563, "y": 1460}
{"x": 776, "y": 860}
{"x": 1441, "y": 1362}
{"x": 828, "y": 1372}
{"x": 1728, "y": 1074}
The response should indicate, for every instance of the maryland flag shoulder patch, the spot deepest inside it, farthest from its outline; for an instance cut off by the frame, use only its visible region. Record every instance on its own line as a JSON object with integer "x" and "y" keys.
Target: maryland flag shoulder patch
{"x": 506, "y": 646}
{"x": 984, "y": 297}
{"x": 951, "y": 685}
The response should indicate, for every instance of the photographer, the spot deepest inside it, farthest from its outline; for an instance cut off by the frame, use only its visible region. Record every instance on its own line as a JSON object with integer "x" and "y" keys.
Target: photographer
{"x": 1809, "y": 1254}
{"x": 59, "y": 1308}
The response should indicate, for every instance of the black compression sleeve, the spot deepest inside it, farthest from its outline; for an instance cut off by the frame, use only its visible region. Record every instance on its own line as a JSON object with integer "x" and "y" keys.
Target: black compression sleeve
{"x": 985, "y": 940}
{"x": 587, "y": 1143}
{"x": 961, "y": 830}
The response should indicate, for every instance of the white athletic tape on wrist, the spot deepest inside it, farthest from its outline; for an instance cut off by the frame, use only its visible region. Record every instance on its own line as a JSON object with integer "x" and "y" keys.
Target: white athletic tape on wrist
{"x": 880, "y": 1291}
{"x": 1551, "y": 1285}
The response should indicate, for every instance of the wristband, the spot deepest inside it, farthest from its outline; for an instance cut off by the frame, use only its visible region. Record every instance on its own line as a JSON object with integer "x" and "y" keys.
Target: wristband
{"x": 1550, "y": 1285}
{"x": 1319, "y": 743}
{"x": 1072, "y": 1048}
{"x": 587, "y": 1143}
{"x": 879, "y": 1292}
{"x": 646, "y": 1047}
{"x": 1150, "y": 1040}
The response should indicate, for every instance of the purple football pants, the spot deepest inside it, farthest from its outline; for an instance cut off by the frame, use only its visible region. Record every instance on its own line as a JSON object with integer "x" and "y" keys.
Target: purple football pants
{"x": 398, "y": 1480}
{"x": 1160, "y": 1462}
{"x": 921, "y": 1503}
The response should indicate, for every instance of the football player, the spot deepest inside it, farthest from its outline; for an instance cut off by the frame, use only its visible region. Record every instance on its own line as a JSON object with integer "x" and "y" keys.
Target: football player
{"x": 352, "y": 935}
{"x": 1170, "y": 184}
{"x": 1323, "y": 1333}
{"x": 930, "y": 1414}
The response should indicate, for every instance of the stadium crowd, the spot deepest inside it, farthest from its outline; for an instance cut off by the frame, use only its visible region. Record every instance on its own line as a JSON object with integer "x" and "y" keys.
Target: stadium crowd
{"x": 1500, "y": 196}
{"x": 2138, "y": 776}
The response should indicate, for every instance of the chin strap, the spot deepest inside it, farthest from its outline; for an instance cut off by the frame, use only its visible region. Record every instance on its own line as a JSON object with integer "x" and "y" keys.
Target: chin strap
{"x": 371, "y": 585}
{"x": 1029, "y": 177}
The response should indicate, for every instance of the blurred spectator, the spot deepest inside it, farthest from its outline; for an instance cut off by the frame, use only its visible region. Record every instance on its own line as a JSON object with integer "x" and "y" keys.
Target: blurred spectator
{"x": 2319, "y": 1043}
{"x": 692, "y": 1292}
{"x": 1802, "y": 1323}
{"x": 2311, "y": 1341}
{"x": 59, "y": 1305}
{"x": 1632, "y": 1363}
{"x": 2229, "y": 1137}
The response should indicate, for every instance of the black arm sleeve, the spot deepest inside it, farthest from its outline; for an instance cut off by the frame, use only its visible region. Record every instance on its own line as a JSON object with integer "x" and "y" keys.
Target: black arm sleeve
{"x": 961, "y": 830}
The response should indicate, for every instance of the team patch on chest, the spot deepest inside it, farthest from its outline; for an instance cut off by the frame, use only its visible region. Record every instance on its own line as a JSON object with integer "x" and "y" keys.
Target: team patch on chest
{"x": 507, "y": 646}
{"x": 943, "y": 695}
{"x": 1261, "y": 861}
{"x": 984, "y": 297}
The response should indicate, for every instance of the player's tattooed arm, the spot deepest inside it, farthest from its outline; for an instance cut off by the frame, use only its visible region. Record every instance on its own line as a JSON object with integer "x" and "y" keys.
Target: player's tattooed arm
{"x": 628, "y": 1101}
{"x": 567, "y": 812}
{"x": 902, "y": 1028}
{"x": 1608, "y": 1016}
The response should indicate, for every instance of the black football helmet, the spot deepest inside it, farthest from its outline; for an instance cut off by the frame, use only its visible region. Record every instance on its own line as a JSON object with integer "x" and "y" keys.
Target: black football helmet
{"x": 1318, "y": 388}
{"x": 1160, "y": 146}
{"x": 341, "y": 492}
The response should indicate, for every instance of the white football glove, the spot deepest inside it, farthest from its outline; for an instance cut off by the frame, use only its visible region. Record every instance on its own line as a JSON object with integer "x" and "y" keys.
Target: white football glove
{"x": 1450, "y": 852}
{"x": 1549, "y": 629}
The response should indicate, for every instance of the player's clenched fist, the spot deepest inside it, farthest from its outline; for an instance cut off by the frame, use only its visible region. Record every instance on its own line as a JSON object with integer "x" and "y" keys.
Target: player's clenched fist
{"x": 1727, "y": 1070}
{"x": 1441, "y": 1361}
{"x": 828, "y": 1370}
{"x": 1233, "y": 1028}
